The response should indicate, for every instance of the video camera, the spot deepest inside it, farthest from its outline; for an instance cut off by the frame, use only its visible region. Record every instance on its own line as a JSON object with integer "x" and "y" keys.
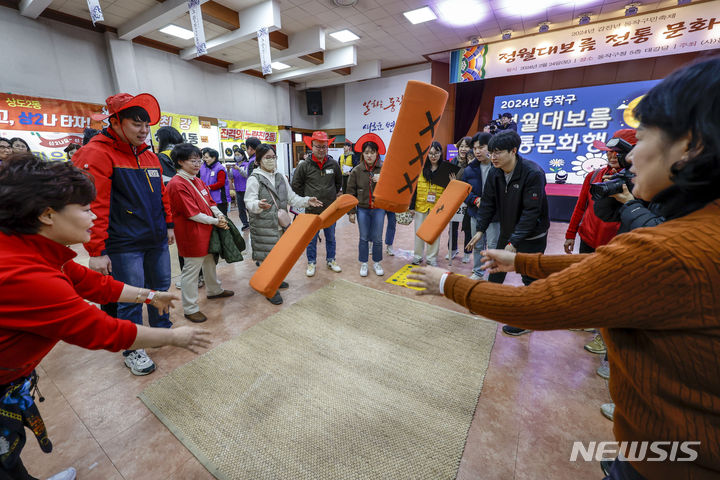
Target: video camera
{"x": 614, "y": 184}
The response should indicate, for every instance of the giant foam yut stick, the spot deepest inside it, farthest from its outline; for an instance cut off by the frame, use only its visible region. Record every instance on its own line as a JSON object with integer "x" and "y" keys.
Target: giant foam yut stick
{"x": 416, "y": 126}
{"x": 443, "y": 211}
{"x": 335, "y": 211}
{"x": 285, "y": 254}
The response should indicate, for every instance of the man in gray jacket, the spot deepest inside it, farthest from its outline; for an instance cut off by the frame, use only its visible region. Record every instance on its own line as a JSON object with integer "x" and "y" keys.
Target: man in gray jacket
{"x": 319, "y": 177}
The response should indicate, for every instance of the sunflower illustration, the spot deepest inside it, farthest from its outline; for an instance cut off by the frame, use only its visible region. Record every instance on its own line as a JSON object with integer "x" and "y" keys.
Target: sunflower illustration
{"x": 584, "y": 164}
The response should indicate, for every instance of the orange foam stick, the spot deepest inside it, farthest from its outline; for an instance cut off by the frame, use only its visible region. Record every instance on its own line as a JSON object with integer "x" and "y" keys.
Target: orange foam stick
{"x": 285, "y": 254}
{"x": 443, "y": 211}
{"x": 341, "y": 205}
{"x": 415, "y": 128}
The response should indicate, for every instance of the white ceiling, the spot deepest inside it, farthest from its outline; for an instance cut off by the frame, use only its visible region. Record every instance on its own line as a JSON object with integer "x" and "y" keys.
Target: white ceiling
{"x": 385, "y": 34}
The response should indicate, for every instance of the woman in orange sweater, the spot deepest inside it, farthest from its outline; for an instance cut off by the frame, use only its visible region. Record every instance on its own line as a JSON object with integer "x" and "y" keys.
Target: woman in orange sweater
{"x": 663, "y": 330}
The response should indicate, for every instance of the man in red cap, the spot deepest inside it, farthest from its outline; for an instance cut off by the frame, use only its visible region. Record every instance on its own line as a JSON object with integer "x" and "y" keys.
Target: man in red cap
{"x": 593, "y": 231}
{"x": 319, "y": 177}
{"x": 130, "y": 237}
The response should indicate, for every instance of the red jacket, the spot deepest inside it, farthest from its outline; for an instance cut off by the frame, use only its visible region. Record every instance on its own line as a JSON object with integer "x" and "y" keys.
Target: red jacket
{"x": 133, "y": 212}
{"x": 593, "y": 231}
{"x": 193, "y": 238}
{"x": 41, "y": 303}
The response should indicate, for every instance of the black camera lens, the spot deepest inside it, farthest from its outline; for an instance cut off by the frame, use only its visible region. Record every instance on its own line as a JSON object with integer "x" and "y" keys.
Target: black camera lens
{"x": 606, "y": 189}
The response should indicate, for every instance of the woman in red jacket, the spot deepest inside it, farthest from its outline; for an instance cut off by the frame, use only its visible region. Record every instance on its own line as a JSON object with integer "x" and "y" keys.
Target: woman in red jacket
{"x": 45, "y": 206}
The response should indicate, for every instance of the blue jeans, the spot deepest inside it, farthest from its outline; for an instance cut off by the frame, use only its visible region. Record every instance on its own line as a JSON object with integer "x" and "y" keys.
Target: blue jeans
{"x": 370, "y": 223}
{"x": 623, "y": 470}
{"x": 148, "y": 268}
{"x": 489, "y": 240}
{"x": 390, "y": 232}
{"x": 329, "y": 234}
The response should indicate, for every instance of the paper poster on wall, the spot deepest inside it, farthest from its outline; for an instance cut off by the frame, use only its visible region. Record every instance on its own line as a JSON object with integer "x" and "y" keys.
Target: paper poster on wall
{"x": 48, "y": 125}
{"x": 685, "y": 29}
{"x": 234, "y": 133}
{"x": 372, "y": 106}
{"x": 558, "y": 127}
{"x": 187, "y": 125}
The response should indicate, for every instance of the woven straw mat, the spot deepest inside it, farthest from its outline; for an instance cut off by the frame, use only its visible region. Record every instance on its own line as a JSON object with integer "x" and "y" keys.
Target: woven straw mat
{"x": 348, "y": 383}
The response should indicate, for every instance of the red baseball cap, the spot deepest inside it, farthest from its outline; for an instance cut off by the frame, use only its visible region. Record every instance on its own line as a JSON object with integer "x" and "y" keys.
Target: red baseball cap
{"x": 627, "y": 134}
{"x": 123, "y": 101}
{"x": 319, "y": 137}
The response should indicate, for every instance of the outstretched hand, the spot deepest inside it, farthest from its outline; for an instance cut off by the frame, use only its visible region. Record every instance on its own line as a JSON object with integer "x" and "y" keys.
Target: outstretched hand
{"x": 495, "y": 261}
{"x": 427, "y": 278}
{"x": 164, "y": 301}
{"x": 191, "y": 338}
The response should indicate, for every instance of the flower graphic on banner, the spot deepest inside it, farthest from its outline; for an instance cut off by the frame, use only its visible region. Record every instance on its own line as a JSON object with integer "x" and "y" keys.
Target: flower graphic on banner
{"x": 556, "y": 164}
{"x": 585, "y": 164}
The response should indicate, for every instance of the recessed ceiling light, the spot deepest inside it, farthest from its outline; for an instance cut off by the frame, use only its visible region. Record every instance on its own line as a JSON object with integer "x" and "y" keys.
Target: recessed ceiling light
{"x": 279, "y": 66}
{"x": 461, "y": 12}
{"x": 344, "y": 36}
{"x": 179, "y": 32}
{"x": 420, "y": 15}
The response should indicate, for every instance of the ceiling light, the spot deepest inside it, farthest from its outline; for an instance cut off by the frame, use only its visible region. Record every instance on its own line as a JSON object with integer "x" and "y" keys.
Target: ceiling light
{"x": 584, "y": 19}
{"x": 179, "y": 32}
{"x": 420, "y": 15}
{"x": 344, "y": 36}
{"x": 631, "y": 9}
{"x": 279, "y": 66}
{"x": 543, "y": 27}
{"x": 462, "y": 12}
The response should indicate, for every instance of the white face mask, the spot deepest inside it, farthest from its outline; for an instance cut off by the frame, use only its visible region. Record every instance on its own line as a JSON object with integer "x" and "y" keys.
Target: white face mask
{"x": 268, "y": 163}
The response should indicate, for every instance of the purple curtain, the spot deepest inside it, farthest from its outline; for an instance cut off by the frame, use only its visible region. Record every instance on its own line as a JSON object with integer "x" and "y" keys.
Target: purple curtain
{"x": 468, "y": 96}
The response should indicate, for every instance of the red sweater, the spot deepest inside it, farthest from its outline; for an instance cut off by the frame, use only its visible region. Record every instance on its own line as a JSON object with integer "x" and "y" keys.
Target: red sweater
{"x": 41, "y": 303}
{"x": 656, "y": 292}
{"x": 593, "y": 231}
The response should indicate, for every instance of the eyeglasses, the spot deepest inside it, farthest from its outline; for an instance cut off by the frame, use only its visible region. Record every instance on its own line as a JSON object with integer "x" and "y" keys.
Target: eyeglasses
{"x": 195, "y": 161}
{"x": 5, "y": 147}
{"x": 434, "y": 154}
{"x": 320, "y": 147}
{"x": 269, "y": 158}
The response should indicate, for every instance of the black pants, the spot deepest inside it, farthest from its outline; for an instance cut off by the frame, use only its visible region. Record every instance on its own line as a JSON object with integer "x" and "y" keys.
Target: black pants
{"x": 526, "y": 246}
{"x": 585, "y": 248}
{"x": 242, "y": 211}
{"x": 454, "y": 233}
{"x": 344, "y": 183}
{"x": 223, "y": 207}
{"x": 18, "y": 472}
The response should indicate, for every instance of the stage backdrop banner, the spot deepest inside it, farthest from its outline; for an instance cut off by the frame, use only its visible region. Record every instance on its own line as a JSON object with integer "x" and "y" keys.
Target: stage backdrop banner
{"x": 372, "y": 106}
{"x": 48, "y": 125}
{"x": 558, "y": 127}
{"x": 234, "y": 133}
{"x": 685, "y": 29}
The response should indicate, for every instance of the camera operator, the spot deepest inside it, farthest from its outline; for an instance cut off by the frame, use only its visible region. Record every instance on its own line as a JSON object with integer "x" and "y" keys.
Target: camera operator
{"x": 506, "y": 122}
{"x": 593, "y": 230}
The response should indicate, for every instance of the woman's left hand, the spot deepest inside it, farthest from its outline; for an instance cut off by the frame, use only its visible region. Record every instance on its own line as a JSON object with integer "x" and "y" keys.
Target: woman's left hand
{"x": 264, "y": 204}
{"x": 624, "y": 196}
{"x": 427, "y": 278}
{"x": 222, "y": 223}
{"x": 314, "y": 202}
{"x": 164, "y": 301}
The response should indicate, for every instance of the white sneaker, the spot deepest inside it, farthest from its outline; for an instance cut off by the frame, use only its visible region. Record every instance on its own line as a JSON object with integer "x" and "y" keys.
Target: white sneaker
{"x": 332, "y": 265}
{"x": 363, "y": 269}
{"x": 389, "y": 250}
{"x": 68, "y": 474}
{"x": 475, "y": 277}
{"x": 378, "y": 269}
{"x": 139, "y": 363}
{"x": 310, "y": 270}
{"x": 466, "y": 258}
{"x": 178, "y": 285}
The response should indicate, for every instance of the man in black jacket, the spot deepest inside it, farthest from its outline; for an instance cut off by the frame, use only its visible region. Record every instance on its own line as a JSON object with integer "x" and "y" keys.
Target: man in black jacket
{"x": 515, "y": 189}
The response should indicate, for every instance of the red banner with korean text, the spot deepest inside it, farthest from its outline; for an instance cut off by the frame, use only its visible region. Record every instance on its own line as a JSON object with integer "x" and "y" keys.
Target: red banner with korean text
{"x": 35, "y": 114}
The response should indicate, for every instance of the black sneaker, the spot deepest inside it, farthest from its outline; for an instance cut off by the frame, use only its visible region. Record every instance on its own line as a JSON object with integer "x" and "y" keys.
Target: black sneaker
{"x": 284, "y": 285}
{"x": 514, "y": 331}
{"x": 606, "y": 465}
{"x": 245, "y": 227}
{"x": 276, "y": 299}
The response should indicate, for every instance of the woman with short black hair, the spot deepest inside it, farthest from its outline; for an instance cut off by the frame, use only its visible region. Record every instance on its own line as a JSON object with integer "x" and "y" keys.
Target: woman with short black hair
{"x": 19, "y": 145}
{"x": 44, "y": 207}
{"x": 194, "y": 215}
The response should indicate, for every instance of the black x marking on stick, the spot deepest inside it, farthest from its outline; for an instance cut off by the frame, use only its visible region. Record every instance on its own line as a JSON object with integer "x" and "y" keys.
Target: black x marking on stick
{"x": 409, "y": 183}
{"x": 442, "y": 207}
{"x": 420, "y": 153}
{"x": 431, "y": 124}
